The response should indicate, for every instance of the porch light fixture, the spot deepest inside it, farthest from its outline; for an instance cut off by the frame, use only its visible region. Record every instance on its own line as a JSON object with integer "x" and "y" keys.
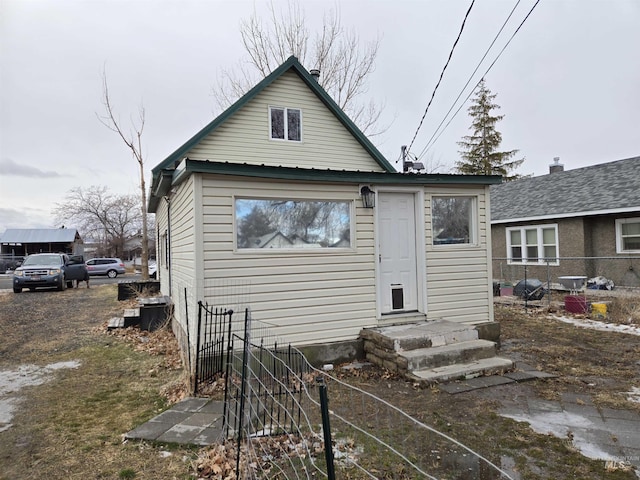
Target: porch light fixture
{"x": 368, "y": 197}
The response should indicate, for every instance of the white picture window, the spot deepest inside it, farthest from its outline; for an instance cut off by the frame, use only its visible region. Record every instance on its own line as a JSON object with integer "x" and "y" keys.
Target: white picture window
{"x": 285, "y": 123}
{"x": 628, "y": 235}
{"x": 453, "y": 220}
{"x": 533, "y": 244}
{"x": 292, "y": 224}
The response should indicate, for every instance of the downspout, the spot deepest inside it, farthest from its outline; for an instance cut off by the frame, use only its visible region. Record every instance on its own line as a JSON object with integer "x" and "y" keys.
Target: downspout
{"x": 168, "y": 200}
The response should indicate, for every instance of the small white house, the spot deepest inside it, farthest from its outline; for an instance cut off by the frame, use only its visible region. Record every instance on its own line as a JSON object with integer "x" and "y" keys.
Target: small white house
{"x": 350, "y": 241}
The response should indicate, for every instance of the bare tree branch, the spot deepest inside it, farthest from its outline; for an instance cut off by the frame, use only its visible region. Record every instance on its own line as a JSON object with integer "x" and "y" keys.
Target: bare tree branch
{"x": 344, "y": 61}
{"x": 133, "y": 141}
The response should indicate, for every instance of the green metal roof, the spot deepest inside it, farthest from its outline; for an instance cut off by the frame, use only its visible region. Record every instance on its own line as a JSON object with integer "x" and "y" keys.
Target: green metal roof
{"x": 328, "y": 175}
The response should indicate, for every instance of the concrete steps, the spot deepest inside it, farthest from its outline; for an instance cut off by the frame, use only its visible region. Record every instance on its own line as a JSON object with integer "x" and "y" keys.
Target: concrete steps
{"x": 431, "y": 352}
{"x": 477, "y": 368}
{"x": 460, "y": 352}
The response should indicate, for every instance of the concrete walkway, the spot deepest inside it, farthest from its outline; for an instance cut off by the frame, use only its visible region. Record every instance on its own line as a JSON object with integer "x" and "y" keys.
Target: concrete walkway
{"x": 194, "y": 421}
{"x": 599, "y": 433}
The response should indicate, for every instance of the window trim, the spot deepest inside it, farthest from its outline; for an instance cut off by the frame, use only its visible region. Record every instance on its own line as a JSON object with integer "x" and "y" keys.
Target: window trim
{"x": 286, "y": 124}
{"x": 308, "y": 251}
{"x": 474, "y": 234}
{"x": 619, "y": 245}
{"x": 541, "y": 259}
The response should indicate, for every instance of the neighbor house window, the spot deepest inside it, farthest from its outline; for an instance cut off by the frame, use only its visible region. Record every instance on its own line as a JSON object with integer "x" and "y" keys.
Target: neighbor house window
{"x": 453, "y": 220}
{"x": 533, "y": 244}
{"x": 292, "y": 224}
{"x": 628, "y": 235}
{"x": 285, "y": 123}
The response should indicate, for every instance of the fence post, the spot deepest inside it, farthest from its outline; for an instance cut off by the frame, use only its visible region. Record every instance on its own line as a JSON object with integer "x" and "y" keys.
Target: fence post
{"x": 195, "y": 384}
{"x": 186, "y": 312}
{"x": 244, "y": 381}
{"x": 326, "y": 429}
{"x": 548, "y": 285}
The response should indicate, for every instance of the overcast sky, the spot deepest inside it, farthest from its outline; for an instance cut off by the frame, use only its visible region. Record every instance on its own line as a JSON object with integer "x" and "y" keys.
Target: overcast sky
{"x": 568, "y": 84}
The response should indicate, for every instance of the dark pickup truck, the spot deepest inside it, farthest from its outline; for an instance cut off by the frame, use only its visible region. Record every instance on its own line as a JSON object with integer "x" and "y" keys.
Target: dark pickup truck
{"x": 49, "y": 270}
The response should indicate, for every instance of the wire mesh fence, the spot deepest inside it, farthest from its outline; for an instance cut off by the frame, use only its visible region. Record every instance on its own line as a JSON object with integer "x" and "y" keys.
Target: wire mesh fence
{"x": 274, "y": 413}
{"x": 620, "y": 271}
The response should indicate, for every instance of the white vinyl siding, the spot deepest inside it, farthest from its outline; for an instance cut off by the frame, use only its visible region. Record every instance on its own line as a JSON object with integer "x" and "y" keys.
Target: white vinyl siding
{"x": 459, "y": 276}
{"x": 305, "y": 296}
{"x": 245, "y": 137}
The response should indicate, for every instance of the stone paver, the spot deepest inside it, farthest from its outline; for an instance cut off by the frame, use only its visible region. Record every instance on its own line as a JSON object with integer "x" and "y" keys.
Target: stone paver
{"x": 196, "y": 421}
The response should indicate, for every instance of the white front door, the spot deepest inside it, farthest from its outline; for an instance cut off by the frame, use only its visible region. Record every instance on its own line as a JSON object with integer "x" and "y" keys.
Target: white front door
{"x": 397, "y": 269}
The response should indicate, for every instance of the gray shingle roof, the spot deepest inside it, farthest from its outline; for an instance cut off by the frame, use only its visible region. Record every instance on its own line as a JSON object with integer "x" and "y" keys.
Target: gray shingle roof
{"x": 604, "y": 188}
{"x": 39, "y": 235}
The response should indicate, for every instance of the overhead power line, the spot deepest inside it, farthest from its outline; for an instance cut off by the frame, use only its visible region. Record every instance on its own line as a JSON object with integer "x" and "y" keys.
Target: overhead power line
{"x": 424, "y": 151}
{"x": 442, "y": 73}
{"x": 421, "y": 154}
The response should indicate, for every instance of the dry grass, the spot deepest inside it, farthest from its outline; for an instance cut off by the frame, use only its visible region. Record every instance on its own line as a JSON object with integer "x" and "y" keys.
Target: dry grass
{"x": 72, "y": 426}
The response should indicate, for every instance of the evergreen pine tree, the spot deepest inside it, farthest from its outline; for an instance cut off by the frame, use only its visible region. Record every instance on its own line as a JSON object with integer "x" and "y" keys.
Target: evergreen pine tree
{"x": 480, "y": 155}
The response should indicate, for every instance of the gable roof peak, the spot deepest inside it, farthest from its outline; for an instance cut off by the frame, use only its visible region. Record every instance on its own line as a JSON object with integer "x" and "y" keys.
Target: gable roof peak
{"x": 291, "y": 64}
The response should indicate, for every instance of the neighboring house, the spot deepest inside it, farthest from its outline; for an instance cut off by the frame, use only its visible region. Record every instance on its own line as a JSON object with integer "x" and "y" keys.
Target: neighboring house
{"x": 584, "y": 221}
{"x": 25, "y": 241}
{"x": 284, "y": 158}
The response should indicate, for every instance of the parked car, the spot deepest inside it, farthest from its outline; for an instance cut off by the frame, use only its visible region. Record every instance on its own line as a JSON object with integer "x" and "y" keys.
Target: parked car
{"x": 153, "y": 269}
{"x": 49, "y": 270}
{"x": 111, "y": 267}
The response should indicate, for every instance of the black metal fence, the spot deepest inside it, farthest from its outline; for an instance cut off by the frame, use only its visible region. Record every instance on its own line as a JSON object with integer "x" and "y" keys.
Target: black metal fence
{"x": 620, "y": 271}
{"x": 212, "y": 341}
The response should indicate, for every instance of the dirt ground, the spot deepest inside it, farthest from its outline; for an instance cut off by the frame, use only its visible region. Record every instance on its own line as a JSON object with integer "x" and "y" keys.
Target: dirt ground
{"x": 72, "y": 425}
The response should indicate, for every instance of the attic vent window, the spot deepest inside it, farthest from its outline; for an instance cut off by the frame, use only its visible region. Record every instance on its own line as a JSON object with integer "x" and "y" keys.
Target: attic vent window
{"x": 286, "y": 123}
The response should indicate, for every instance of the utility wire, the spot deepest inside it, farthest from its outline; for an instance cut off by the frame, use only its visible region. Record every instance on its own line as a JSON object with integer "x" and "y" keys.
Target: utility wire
{"x": 421, "y": 154}
{"x": 483, "y": 75}
{"x": 442, "y": 73}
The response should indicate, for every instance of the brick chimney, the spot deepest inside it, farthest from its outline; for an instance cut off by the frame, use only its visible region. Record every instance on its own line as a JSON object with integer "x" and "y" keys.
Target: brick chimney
{"x": 556, "y": 166}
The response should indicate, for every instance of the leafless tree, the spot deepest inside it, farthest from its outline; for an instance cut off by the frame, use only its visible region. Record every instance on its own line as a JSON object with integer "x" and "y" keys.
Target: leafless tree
{"x": 344, "y": 61}
{"x": 133, "y": 140}
{"x": 106, "y": 218}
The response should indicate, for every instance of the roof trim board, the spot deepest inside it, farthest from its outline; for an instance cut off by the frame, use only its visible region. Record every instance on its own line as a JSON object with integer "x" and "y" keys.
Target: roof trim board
{"x": 189, "y": 166}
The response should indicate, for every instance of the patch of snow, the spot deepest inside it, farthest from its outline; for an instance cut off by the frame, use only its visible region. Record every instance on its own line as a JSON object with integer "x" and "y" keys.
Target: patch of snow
{"x": 601, "y": 326}
{"x": 634, "y": 395}
{"x": 563, "y": 424}
{"x": 12, "y": 381}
